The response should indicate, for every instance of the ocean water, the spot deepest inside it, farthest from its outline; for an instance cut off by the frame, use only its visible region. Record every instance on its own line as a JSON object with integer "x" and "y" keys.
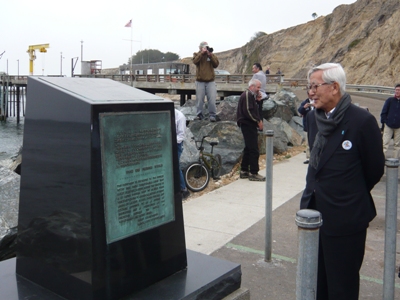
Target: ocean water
{"x": 11, "y": 136}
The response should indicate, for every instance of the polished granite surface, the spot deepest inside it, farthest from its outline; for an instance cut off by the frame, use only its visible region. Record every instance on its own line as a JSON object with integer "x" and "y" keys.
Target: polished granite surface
{"x": 62, "y": 234}
{"x": 206, "y": 277}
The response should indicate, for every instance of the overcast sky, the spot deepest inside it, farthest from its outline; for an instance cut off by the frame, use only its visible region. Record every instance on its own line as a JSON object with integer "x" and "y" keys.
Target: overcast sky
{"x": 177, "y": 26}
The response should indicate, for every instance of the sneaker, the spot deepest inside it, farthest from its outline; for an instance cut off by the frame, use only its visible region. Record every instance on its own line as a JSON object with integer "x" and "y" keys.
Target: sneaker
{"x": 185, "y": 194}
{"x": 256, "y": 177}
{"x": 213, "y": 119}
{"x": 244, "y": 174}
{"x": 306, "y": 162}
{"x": 199, "y": 117}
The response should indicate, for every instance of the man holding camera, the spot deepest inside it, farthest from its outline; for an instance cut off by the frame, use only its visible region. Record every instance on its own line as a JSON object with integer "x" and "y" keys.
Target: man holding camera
{"x": 205, "y": 62}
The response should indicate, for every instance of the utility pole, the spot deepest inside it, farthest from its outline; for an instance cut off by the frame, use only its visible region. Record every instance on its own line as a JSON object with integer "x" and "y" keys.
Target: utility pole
{"x": 61, "y": 61}
{"x": 81, "y": 55}
{"x": 81, "y": 50}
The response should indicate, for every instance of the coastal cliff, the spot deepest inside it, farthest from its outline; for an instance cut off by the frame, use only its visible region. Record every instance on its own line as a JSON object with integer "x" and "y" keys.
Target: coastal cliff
{"x": 364, "y": 37}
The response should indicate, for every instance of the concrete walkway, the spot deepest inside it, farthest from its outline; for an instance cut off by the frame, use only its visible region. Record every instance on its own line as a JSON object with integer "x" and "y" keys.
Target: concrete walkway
{"x": 214, "y": 219}
{"x": 229, "y": 223}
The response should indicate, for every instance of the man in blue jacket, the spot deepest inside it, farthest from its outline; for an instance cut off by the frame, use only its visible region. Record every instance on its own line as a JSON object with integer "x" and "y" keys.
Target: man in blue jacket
{"x": 390, "y": 119}
{"x": 346, "y": 162}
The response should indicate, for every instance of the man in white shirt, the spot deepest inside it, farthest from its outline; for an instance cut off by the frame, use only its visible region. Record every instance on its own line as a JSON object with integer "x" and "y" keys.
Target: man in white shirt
{"x": 180, "y": 122}
{"x": 260, "y": 76}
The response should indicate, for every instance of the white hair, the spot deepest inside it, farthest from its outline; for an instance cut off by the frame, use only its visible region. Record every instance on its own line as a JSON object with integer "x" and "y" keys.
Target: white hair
{"x": 331, "y": 72}
{"x": 254, "y": 82}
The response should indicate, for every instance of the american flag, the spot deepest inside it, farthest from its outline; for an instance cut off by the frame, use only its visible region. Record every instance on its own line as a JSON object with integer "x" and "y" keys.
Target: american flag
{"x": 129, "y": 24}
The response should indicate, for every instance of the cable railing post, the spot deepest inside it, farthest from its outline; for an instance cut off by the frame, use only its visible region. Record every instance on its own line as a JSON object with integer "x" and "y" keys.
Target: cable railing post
{"x": 308, "y": 221}
{"x": 269, "y": 155}
{"x": 392, "y": 167}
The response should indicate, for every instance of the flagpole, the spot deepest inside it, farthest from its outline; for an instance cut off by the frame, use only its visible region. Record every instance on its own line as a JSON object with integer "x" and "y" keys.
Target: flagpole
{"x": 131, "y": 52}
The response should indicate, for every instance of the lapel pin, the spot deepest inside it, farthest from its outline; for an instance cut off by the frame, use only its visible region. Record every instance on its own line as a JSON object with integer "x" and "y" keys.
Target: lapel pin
{"x": 347, "y": 145}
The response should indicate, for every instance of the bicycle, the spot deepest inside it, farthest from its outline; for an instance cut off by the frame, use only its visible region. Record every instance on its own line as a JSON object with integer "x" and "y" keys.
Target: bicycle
{"x": 197, "y": 174}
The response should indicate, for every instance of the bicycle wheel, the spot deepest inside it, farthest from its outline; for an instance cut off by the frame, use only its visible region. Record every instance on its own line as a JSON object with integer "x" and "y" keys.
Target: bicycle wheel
{"x": 216, "y": 164}
{"x": 196, "y": 177}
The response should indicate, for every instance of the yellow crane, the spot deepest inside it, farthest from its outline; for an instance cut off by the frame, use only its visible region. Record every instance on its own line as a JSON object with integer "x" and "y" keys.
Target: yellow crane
{"x": 32, "y": 54}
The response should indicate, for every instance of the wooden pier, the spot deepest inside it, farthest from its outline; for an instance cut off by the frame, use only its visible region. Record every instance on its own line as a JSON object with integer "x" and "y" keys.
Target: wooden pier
{"x": 12, "y": 98}
{"x": 13, "y": 88}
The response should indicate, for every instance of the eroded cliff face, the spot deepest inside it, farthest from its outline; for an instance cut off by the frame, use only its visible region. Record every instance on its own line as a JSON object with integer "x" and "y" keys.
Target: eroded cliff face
{"x": 364, "y": 37}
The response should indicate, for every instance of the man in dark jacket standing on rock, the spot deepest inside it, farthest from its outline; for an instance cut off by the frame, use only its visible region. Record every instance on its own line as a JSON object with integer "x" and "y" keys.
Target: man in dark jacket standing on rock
{"x": 205, "y": 62}
{"x": 390, "y": 116}
{"x": 249, "y": 121}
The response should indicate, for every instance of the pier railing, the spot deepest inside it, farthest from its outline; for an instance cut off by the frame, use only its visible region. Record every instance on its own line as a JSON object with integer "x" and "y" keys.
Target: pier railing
{"x": 13, "y": 88}
{"x": 185, "y": 78}
{"x": 239, "y": 79}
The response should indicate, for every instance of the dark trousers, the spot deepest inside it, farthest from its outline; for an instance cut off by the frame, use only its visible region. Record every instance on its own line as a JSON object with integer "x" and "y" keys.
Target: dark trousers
{"x": 339, "y": 262}
{"x": 250, "y": 152}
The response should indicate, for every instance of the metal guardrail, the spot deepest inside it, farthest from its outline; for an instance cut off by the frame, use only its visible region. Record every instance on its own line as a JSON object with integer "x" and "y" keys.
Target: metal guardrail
{"x": 370, "y": 89}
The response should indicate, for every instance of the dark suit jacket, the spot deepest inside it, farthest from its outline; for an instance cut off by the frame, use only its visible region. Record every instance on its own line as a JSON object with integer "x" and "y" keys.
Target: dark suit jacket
{"x": 351, "y": 164}
{"x": 304, "y": 111}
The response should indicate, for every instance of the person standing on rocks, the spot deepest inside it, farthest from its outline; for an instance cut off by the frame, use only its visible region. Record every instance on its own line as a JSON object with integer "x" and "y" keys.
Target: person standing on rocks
{"x": 390, "y": 119}
{"x": 249, "y": 121}
{"x": 346, "y": 162}
{"x": 259, "y": 75}
{"x": 304, "y": 108}
{"x": 206, "y": 61}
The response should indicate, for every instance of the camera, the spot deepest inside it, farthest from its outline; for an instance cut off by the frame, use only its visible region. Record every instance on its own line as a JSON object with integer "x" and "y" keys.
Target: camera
{"x": 209, "y": 49}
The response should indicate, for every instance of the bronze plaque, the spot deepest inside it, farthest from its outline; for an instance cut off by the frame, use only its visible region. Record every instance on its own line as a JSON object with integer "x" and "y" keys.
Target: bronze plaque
{"x": 137, "y": 169}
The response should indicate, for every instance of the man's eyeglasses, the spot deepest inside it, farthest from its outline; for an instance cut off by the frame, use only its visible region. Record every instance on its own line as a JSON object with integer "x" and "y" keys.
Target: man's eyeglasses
{"x": 314, "y": 87}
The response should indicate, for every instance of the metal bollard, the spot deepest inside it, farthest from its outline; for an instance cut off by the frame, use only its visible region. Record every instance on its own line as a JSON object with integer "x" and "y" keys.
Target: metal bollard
{"x": 269, "y": 156}
{"x": 309, "y": 221}
{"x": 392, "y": 165}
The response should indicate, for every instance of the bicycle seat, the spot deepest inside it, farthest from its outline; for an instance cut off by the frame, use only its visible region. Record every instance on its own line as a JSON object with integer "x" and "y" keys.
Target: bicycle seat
{"x": 213, "y": 143}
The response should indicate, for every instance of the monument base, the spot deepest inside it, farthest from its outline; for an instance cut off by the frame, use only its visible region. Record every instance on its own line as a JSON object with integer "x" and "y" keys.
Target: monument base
{"x": 206, "y": 277}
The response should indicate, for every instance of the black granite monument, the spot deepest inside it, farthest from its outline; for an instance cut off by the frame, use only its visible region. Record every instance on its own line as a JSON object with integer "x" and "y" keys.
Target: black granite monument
{"x": 100, "y": 213}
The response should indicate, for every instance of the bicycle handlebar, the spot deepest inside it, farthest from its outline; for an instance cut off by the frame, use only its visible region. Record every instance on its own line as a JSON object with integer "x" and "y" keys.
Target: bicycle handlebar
{"x": 201, "y": 141}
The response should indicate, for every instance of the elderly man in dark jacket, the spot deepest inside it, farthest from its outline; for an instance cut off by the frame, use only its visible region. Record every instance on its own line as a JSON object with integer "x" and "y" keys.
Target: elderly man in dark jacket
{"x": 346, "y": 162}
{"x": 249, "y": 121}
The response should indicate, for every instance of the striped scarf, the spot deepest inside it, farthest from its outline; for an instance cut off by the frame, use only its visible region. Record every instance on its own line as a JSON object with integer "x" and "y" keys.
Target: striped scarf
{"x": 326, "y": 127}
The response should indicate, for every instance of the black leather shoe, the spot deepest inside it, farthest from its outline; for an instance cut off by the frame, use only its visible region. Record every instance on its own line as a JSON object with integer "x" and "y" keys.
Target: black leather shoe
{"x": 306, "y": 162}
